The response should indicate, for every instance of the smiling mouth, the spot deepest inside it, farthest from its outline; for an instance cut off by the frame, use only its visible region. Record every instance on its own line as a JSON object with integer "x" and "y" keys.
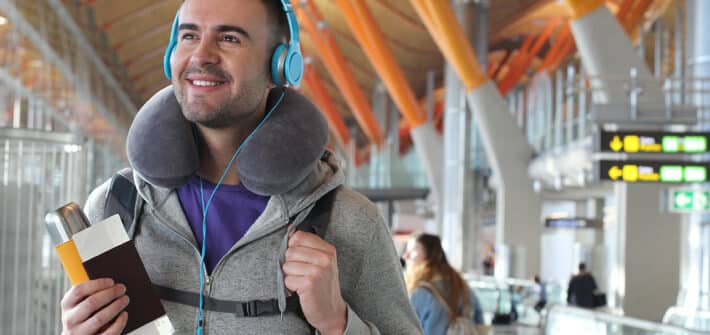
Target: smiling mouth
{"x": 206, "y": 83}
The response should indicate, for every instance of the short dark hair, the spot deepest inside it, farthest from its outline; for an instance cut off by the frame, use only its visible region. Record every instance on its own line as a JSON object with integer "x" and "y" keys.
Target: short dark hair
{"x": 278, "y": 23}
{"x": 582, "y": 267}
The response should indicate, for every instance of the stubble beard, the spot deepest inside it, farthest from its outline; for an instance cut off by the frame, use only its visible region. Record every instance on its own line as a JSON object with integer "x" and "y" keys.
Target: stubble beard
{"x": 230, "y": 112}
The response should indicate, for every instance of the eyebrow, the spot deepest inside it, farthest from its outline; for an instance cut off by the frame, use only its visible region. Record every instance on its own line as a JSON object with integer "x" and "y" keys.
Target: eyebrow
{"x": 223, "y": 28}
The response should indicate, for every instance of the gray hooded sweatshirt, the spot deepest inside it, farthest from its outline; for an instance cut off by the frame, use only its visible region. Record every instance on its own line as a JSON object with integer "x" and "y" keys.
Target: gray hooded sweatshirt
{"x": 371, "y": 281}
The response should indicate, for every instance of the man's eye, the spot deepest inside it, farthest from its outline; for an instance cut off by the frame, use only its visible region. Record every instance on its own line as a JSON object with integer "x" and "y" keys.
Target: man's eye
{"x": 231, "y": 39}
{"x": 188, "y": 36}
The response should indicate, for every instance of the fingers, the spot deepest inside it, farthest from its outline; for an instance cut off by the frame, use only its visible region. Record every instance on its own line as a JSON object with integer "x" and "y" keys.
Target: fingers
{"x": 309, "y": 255}
{"x": 302, "y": 269}
{"x": 103, "y": 317}
{"x": 304, "y": 239}
{"x": 118, "y": 325}
{"x": 93, "y": 303}
{"x": 79, "y": 292}
{"x": 299, "y": 284}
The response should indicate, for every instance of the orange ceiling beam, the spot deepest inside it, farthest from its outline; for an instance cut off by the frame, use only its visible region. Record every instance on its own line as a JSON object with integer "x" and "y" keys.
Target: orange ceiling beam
{"x": 496, "y": 72}
{"x": 449, "y": 36}
{"x": 636, "y": 15}
{"x": 332, "y": 57}
{"x": 373, "y": 42}
{"x": 557, "y": 47}
{"x": 624, "y": 9}
{"x": 516, "y": 73}
{"x": 327, "y": 106}
{"x": 518, "y": 59}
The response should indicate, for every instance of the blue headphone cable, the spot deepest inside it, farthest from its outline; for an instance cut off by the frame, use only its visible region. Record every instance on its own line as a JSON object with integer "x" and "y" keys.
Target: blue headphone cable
{"x": 200, "y": 321}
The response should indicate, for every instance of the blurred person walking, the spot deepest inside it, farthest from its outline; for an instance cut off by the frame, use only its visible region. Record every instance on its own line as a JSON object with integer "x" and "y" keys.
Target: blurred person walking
{"x": 441, "y": 298}
{"x": 582, "y": 286}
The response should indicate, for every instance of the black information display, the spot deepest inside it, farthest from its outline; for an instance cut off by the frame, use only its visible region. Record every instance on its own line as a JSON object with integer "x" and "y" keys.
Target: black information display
{"x": 653, "y": 171}
{"x": 654, "y": 142}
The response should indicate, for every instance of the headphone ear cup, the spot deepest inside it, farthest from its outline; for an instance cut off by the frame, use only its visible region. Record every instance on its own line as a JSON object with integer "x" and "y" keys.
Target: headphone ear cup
{"x": 293, "y": 68}
{"x": 278, "y": 60}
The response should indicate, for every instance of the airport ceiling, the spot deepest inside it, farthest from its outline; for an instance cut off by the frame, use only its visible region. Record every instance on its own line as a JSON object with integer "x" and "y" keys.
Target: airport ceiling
{"x": 131, "y": 36}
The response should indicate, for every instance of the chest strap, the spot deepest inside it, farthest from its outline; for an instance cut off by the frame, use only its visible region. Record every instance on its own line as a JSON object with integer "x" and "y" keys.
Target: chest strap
{"x": 253, "y": 308}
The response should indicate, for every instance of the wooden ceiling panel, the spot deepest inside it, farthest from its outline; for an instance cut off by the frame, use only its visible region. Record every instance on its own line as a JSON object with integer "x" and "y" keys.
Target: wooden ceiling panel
{"x": 146, "y": 66}
{"x": 126, "y": 54}
{"x": 112, "y": 14}
{"x": 142, "y": 25}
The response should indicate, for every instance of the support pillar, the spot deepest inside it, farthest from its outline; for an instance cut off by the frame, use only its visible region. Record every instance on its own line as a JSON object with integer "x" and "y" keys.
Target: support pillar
{"x": 454, "y": 197}
{"x": 460, "y": 226}
{"x": 650, "y": 251}
{"x": 607, "y": 52}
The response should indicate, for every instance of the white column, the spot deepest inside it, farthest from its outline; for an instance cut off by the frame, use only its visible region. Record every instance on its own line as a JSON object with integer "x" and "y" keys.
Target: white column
{"x": 518, "y": 219}
{"x": 651, "y": 250}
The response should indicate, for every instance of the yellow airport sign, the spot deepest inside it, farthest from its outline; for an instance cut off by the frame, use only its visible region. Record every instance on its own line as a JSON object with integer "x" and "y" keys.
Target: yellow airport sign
{"x": 654, "y": 142}
{"x": 654, "y": 171}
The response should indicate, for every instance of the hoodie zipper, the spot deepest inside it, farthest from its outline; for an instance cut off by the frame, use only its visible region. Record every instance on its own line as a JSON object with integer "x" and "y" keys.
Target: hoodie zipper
{"x": 208, "y": 278}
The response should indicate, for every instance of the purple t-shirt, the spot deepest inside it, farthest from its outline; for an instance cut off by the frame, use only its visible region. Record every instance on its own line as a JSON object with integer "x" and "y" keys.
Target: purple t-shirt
{"x": 234, "y": 209}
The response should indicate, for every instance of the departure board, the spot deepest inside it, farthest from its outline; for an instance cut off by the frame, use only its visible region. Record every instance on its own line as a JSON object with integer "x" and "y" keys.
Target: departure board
{"x": 653, "y": 171}
{"x": 654, "y": 142}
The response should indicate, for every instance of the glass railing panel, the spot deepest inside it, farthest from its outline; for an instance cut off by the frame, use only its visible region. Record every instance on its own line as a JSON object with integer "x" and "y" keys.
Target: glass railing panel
{"x": 570, "y": 320}
{"x": 501, "y": 295}
{"x": 688, "y": 318}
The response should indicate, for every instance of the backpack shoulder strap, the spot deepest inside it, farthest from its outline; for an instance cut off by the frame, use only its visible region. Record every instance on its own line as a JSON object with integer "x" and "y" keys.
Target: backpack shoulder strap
{"x": 318, "y": 219}
{"x": 123, "y": 199}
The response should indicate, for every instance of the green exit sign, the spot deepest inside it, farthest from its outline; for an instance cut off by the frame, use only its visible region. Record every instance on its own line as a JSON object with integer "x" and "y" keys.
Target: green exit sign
{"x": 686, "y": 200}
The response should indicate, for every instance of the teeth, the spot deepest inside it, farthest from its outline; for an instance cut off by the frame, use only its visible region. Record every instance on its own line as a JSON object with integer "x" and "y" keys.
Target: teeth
{"x": 204, "y": 83}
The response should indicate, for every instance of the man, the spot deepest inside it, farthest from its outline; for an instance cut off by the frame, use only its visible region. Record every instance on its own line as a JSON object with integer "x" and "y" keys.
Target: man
{"x": 220, "y": 73}
{"x": 581, "y": 288}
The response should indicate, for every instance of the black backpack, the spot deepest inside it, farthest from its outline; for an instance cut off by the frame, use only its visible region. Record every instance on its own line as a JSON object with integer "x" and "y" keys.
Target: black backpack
{"x": 123, "y": 199}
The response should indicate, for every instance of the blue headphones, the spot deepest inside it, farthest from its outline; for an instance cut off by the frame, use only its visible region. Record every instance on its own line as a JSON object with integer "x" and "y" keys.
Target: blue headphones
{"x": 286, "y": 62}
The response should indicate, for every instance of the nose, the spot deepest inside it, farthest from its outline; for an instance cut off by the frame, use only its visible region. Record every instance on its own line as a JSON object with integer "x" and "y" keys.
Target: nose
{"x": 205, "y": 53}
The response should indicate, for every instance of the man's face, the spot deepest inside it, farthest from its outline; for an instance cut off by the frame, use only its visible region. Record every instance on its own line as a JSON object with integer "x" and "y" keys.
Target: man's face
{"x": 219, "y": 67}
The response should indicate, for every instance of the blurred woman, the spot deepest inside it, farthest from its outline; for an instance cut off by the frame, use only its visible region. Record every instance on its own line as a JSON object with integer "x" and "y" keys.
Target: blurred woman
{"x": 435, "y": 287}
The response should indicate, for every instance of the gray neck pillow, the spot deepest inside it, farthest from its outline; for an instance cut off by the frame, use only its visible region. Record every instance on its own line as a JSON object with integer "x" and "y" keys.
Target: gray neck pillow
{"x": 161, "y": 146}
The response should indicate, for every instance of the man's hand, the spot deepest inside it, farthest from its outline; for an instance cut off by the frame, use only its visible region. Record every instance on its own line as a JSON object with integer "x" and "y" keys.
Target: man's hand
{"x": 311, "y": 270}
{"x": 91, "y": 307}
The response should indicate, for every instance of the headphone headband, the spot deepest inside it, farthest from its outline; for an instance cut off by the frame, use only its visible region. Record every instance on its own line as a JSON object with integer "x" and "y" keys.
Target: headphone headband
{"x": 294, "y": 36}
